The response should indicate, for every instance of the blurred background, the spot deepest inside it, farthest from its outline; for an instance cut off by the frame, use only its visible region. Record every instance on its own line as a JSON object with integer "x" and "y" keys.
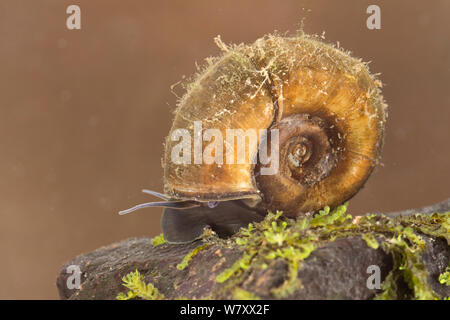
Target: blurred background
{"x": 83, "y": 113}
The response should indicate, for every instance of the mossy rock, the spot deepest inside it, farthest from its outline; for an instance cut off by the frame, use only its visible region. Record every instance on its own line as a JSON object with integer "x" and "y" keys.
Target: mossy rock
{"x": 322, "y": 257}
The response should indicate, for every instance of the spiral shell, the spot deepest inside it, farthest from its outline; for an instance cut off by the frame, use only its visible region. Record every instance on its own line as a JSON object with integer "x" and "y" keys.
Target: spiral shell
{"x": 326, "y": 105}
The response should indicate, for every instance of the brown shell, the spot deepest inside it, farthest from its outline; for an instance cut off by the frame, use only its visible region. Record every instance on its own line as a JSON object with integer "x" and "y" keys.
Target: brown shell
{"x": 265, "y": 85}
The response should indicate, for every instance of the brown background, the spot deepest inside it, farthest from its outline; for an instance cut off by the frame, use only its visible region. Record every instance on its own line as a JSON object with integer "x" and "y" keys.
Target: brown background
{"x": 83, "y": 114}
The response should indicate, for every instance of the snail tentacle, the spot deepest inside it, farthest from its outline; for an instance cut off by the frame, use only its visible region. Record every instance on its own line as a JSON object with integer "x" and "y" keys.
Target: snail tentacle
{"x": 167, "y": 203}
{"x": 183, "y": 204}
{"x": 157, "y": 194}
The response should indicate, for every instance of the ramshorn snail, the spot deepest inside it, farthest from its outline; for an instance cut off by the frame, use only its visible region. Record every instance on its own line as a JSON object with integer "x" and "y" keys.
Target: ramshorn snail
{"x": 323, "y": 109}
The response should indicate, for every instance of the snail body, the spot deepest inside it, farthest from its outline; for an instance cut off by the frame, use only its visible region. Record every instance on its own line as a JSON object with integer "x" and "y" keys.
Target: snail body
{"x": 328, "y": 115}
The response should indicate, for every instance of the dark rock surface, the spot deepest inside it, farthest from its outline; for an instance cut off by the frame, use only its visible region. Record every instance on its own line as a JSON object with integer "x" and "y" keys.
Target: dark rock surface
{"x": 337, "y": 270}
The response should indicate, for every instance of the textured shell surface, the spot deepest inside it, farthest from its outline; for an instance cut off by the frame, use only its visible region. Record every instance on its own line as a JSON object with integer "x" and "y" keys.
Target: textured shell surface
{"x": 301, "y": 86}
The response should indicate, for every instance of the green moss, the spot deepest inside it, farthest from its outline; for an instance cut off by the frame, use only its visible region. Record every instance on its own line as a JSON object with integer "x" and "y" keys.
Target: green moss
{"x": 277, "y": 237}
{"x": 406, "y": 247}
{"x": 444, "y": 278}
{"x": 293, "y": 241}
{"x": 241, "y": 264}
{"x": 389, "y": 288}
{"x": 159, "y": 239}
{"x": 370, "y": 240}
{"x": 408, "y": 265}
{"x": 185, "y": 262}
{"x": 241, "y": 294}
{"x": 134, "y": 281}
{"x": 324, "y": 218}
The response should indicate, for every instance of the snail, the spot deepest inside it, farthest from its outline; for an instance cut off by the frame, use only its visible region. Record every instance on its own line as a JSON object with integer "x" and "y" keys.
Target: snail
{"x": 322, "y": 106}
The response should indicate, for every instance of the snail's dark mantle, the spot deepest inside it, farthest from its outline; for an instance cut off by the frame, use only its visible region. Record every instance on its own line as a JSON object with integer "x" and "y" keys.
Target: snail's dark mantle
{"x": 335, "y": 270}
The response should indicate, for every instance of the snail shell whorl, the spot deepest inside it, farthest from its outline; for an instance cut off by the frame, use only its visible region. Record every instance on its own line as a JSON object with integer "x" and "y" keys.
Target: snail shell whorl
{"x": 328, "y": 109}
